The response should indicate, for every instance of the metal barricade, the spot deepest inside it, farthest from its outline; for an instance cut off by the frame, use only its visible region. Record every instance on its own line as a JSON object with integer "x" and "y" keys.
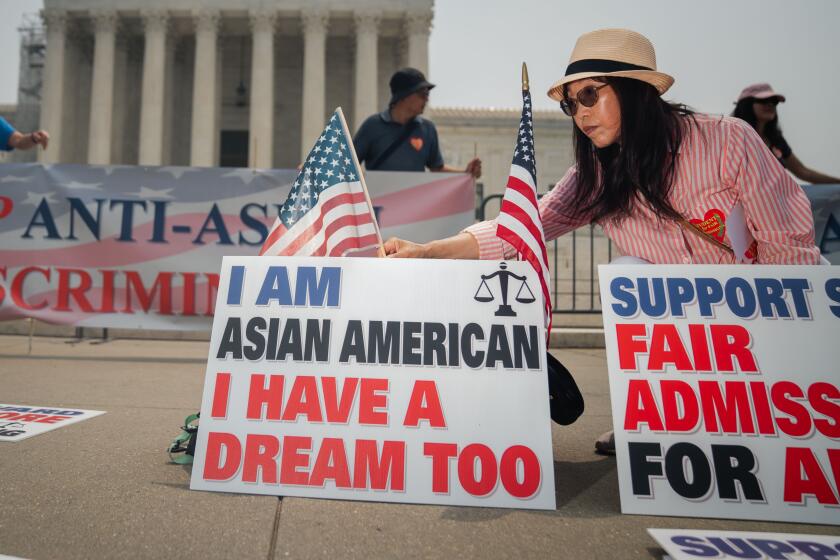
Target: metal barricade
{"x": 573, "y": 259}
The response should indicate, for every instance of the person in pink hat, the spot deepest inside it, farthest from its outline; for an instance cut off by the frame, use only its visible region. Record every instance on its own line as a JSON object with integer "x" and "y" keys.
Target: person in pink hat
{"x": 757, "y": 105}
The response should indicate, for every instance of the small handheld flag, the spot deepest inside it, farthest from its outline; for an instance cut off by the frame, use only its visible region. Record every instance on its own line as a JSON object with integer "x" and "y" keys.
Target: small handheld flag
{"x": 328, "y": 211}
{"x": 519, "y": 219}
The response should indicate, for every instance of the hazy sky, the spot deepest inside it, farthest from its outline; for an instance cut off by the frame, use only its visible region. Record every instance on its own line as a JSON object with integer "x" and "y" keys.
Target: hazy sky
{"x": 713, "y": 48}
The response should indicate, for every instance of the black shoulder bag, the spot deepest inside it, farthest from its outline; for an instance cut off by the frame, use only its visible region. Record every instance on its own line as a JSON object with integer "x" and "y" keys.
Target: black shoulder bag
{"x": 406, "y": 132}
{"x": 565, "y": 400}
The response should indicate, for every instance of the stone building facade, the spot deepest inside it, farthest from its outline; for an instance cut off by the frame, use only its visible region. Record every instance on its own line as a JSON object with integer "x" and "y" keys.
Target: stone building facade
{"x": 180, "y": 82}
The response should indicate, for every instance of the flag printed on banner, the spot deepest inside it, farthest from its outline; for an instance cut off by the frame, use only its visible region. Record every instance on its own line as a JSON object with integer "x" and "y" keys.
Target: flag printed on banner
{"x": 519, "y": 219}
{"x": 327, "y": 212}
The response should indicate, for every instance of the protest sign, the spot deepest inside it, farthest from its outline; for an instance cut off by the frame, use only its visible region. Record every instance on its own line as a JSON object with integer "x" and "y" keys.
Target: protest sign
{"x": 19, "y": 421}
{"x": 140, "y": 247}
{"x": 724, "y": 389}
{"x": 394, "y": 380}
{"x": 684, "y": 544}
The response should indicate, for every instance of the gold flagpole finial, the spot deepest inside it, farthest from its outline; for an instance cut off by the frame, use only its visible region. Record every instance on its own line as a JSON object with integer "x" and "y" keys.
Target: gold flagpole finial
{"x": 524, "y": 77}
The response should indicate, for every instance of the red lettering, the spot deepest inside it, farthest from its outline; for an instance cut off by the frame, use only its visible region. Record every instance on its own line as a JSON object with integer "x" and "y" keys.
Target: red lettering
{"x": 293, "y": 458}
{"x": 628, "y": 344}
{"x": 818, "y": 393}
{"x": 107, "y": 300}
{"x": 53, "y": 419}
{"x": 17, "y": 288}
{"x": 213, "y": 469}
{"x": 188, "y": 294}
{"x": 424, "y": 404}
{"x": 212, "y": 289}
{"x": 378, "y": 468}
{"x": 466, "y": 469}
{"x": 731, "y": 414}
{"x": 259, "y": 395}
{"x": 303, "y": 399}
{"x": 761, "y": 405}
{"x": 804, "y": 477}
{"x": 221, "y": 392}
{"x": 338, "y": 410}
{"x": 260, "y": 453}
{"x": 65, "y": 291}
{"x": 781, "y": 394}
{"x": 641, "y": 407}
{"x": 732, "y": 341}
{"x": 678, "y": 395}
{"x": 700, "y": 348}
{"x": 331, "y": 462}
{"x": 371, "y": 399}
{"x": 134, "y": 283}
{"x": 666, "y": 347}
{"x": 440, "y": 453}
{"x": 530, "y": 471}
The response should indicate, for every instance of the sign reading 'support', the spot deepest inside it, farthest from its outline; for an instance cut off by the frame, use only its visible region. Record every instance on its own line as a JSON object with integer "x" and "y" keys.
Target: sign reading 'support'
{"x": 392, "y": 380}
{"x": 724, "y": 387}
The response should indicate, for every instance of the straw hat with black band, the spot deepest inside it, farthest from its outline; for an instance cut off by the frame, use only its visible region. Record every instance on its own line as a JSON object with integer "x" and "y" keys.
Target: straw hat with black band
{"x": 619, "y": 53}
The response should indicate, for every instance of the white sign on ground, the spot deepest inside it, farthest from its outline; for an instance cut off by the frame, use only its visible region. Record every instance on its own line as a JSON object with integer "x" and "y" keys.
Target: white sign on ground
{"x": 724, "y": 390}
{"x": 18, "y": 421}
{"x": 684, "y": 544}
{"x": 393, "y": 380}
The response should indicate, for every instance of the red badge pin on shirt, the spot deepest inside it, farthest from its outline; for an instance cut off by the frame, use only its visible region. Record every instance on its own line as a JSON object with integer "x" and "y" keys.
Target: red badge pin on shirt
{"x": 417, "y": 143}
{"x": 713, "y": 223}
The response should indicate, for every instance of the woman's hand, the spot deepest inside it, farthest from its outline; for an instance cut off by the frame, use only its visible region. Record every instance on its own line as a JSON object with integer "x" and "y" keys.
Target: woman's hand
{"x": 402, "y": 249}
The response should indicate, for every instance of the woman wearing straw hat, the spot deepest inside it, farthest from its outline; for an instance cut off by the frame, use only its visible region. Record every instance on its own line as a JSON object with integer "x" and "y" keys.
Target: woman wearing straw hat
{"x": 757, "y": 105}
{"x": 662, "y": 181}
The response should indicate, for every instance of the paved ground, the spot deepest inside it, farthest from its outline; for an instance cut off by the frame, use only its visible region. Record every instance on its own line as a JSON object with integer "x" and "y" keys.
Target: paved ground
{"x": 104, "y": 488}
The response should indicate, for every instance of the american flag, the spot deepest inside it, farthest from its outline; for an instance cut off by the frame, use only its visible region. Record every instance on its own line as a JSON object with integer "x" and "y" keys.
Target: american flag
{"x": 328, "y": 212}
{"x": 519, "y": 219}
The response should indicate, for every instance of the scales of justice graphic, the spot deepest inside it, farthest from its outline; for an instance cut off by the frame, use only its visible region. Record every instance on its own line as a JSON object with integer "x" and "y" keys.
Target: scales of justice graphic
{"x": 485, "y": 295}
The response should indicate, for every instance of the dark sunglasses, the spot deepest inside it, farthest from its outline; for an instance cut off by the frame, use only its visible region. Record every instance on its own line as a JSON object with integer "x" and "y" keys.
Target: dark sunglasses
{"x": 769, "y": 101}
{"x": 587, "y": 97}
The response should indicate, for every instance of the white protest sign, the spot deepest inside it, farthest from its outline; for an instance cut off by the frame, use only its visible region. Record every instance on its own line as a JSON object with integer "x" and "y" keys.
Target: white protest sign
{"x": 724, "y": 390}
{"x": 684, "y": 544}
{"x": 393, "y": 380}
{"x": 19, "y": 421}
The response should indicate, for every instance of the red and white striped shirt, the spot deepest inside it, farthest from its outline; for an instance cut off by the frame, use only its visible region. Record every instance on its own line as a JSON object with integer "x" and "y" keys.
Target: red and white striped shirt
{"x": 721, "y": 162}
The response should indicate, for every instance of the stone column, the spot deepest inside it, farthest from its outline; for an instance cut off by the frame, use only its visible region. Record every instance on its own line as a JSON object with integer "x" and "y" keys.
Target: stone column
{"x": 314, "y": 77}
{"x": 367, "y": 38}
{"x": 204, "y": 89}
{"x": 260, "y": 141}
{"x": 102, "y": 88}
{"x": 53, "y": 87}
{"x": 154, "y": 80}
{"x": 418, "y": 26}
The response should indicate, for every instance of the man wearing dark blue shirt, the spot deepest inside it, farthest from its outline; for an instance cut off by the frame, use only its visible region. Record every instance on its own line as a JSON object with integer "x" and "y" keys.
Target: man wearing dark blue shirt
{"x": 398, "y": 138}
{"x": 11, "y": 139}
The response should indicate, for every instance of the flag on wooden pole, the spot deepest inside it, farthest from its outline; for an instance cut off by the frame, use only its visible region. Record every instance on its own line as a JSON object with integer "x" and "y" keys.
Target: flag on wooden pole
{"x": 519, "y": 219}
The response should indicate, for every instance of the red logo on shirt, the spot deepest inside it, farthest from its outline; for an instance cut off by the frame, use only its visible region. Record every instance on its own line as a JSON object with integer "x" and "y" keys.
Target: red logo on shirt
{"x": 713, "y": 223}
{"x": 417, "y": 143}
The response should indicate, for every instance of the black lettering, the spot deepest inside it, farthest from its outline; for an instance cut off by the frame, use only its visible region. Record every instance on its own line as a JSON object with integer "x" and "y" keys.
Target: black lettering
{"x": 231, "y": 340}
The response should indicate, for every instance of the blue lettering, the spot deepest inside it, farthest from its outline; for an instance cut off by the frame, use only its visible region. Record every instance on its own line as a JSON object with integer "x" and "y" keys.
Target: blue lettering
{"x": 831, "y": 226}
{"x": 771, "y": 298}
{"x": 680, "y": 292}
{"x": 709, "y": 292}
{"x": 253, "y": 223}
{"x": 234, "y": 295}
{"x": 696, "y": 546}
{"x": 307, "y": 284}
{"x": 740, "y": 297}
{"x": 78, "y": 207}
{"x": 652, "y": 299}
{"x": 832, "y": 290}
{"x": 798, "y": 287}
{"x": 219, "y": 228}
{"x": 127, "y": 224}
{"x": 159, "y": 222}
{"x": 619, "y": 289}
{"x": 47, "y": 222}
{"x": 275, "y": 286}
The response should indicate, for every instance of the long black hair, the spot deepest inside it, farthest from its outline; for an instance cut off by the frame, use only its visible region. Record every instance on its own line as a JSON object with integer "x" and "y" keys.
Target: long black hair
{"x": 744, "y": 110}
{"x": 641, "y": 164}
